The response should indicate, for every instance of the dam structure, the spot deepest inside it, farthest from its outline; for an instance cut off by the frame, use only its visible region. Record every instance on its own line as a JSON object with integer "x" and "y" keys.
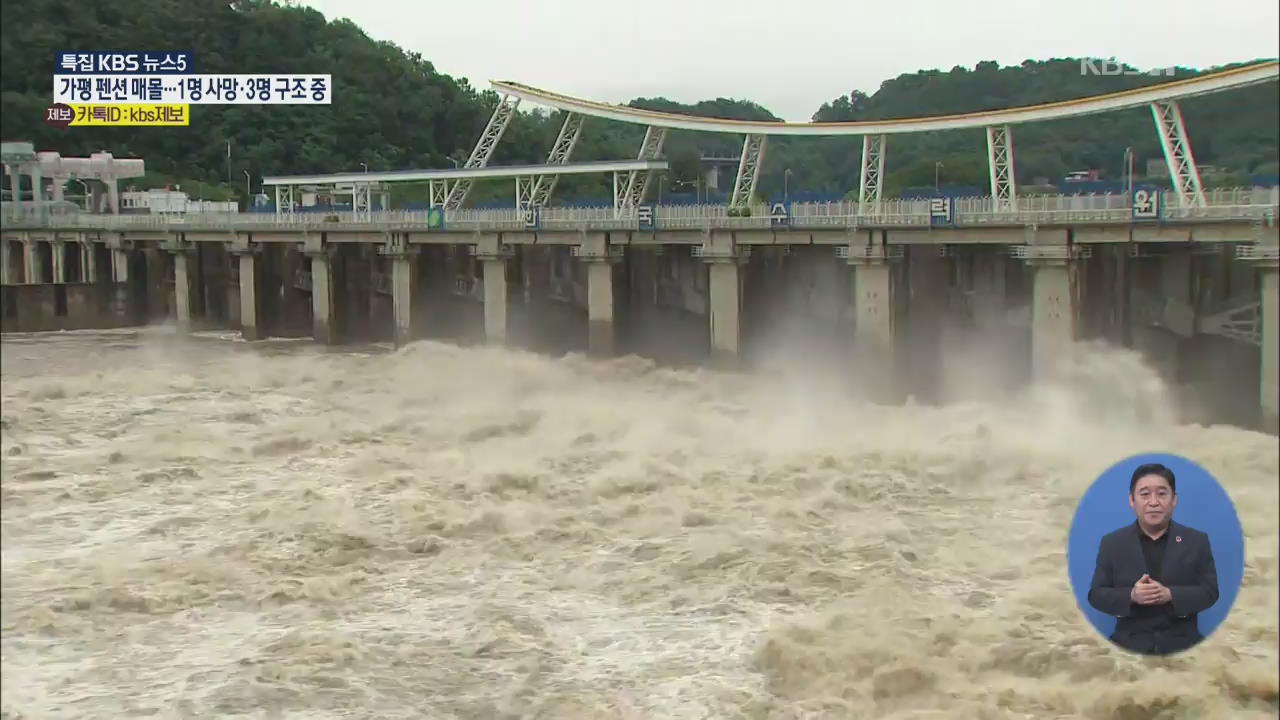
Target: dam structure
{"x": 902, "y": 294}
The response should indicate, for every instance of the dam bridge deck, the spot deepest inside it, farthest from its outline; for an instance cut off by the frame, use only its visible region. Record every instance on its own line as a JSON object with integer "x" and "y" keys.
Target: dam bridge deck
{"x": 1246, "y": 206}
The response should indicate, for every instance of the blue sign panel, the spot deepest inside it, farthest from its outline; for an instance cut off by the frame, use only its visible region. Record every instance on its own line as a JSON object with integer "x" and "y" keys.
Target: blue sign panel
{"x": 532, "y": 217}
{"x": 780, "y": 215}
{"x": 1146, "y": 204}
{"x": 645, "y": 215}
{"x": 941, "y": 211}
{"x": 435, "y": 219}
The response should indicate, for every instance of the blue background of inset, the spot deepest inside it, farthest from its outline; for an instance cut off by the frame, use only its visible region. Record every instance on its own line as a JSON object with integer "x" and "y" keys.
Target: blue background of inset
{"x": 1202, "y": 504}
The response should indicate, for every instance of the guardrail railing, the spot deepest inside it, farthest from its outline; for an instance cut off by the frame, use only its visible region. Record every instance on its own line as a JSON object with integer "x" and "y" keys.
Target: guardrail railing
{"x": 1257, "y": 204}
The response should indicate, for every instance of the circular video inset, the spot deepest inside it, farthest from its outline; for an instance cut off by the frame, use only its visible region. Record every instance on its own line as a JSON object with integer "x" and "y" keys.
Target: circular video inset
{"x": 1156, "y": 554}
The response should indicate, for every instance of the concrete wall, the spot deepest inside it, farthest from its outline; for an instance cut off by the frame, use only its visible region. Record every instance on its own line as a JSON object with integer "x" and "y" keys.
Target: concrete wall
{"x": 362, "y": 313}
{"x": 448, "y": 302}
{"x": 797, "y": 318}
{"x": 158, "y": 268}
{"x": 78, "y": 306}
{"x": 547, "y": 300}
{"x": 666, "y": 296}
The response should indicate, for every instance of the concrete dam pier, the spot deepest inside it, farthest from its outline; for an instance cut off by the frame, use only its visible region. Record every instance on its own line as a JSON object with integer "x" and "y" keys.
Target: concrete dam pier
{"x": 938, "y": 316}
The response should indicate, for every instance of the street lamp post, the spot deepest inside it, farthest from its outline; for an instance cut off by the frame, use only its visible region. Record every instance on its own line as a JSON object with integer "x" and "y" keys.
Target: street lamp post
{"x": 87, "y": 196}
{"x": 1128, "y": 171}
{"x": 937, "y": 165}
{"x": 786, "y": 185}
{"x": 247, "y": 191}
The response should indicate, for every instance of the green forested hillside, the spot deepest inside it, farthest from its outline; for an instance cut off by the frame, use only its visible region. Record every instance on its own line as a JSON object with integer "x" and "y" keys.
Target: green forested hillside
{"x": 392, "y": 110}
{"x": 1235, "y": 131}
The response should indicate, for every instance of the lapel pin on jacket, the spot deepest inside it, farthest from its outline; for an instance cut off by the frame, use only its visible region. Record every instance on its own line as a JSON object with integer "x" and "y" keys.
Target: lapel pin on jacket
{"x": 1177, "y": 538}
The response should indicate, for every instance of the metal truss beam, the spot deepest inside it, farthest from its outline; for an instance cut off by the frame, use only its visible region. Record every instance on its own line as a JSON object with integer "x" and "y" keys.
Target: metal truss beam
{"x": 1177, "y": 153}
{"x": 560, "y": 154}
{"x": 1242, "y": 323}
{"x": 1004, "y": 190}
{"x": 360, "y": 202}
{"x": 284, "y": 199}
{"x": 632, "y": 192}
{"x": 621, "y": 181}
{"x": 485, "y": 146}
{"x": 873, "y": 147}
{"x": 749, "y": 165}
{"x": 439, "y": 192}
{"x": 525, "y": 188}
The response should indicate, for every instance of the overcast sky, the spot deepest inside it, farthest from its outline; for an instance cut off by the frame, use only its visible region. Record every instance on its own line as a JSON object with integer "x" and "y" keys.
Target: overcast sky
{"x": 793, "y": 55}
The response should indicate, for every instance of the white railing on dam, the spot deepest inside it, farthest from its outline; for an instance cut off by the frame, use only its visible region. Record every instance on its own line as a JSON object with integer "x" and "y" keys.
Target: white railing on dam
{"x": 1240, "y": 204}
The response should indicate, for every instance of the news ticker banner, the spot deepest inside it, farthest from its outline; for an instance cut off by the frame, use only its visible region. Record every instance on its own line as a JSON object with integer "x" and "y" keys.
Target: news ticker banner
{"x": 193, "y": 89}
{"x": 157, "y": 88}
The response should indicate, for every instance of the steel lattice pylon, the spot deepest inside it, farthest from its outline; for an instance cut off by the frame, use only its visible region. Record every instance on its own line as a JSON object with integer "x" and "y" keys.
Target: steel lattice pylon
{"x": 1004, "y": 190}
{"x": 748, "y": 170}
{"x": 360, "y": 201}
{"x": 284, "y": 199}
{"x": 560, "y": 154}
{"x": 488, "y": 142}
{"x": 621, "y": 181}
{"x": 525, "y": 188}
{"x": 1177, "y": 153}
{"x": 873, "y": 147}
{"x": 630, "y": 192}
{"x": 439, "y": 192}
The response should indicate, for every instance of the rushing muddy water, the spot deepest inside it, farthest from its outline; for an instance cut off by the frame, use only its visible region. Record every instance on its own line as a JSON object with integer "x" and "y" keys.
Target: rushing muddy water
{"x": 204, "y": 528}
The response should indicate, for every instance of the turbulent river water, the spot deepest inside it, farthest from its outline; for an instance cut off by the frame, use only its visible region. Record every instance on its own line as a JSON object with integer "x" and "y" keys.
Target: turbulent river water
{"x": 198, "y": 527}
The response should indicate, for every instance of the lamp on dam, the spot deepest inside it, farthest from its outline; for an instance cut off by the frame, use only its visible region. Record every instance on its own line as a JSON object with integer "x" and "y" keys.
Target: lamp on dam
{"x": 1128, "y": 171}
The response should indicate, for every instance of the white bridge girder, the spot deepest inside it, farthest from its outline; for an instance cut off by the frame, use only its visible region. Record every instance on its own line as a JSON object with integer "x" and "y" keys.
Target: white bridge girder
{"x": 1257, "y": 73}
{"x": 1177, "y": 153}
{"x": 869, "y": 184}
{"x": 484, "y": 148}
{"x": 561, "y": 151}
{"x": 749, "y": 165}
{"x": 1004, "y": 190}
{"x": 629, "y": 193}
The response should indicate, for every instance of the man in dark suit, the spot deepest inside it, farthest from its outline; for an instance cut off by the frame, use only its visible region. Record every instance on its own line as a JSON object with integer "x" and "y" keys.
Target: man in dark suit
{"x": 1155, "y": 575}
